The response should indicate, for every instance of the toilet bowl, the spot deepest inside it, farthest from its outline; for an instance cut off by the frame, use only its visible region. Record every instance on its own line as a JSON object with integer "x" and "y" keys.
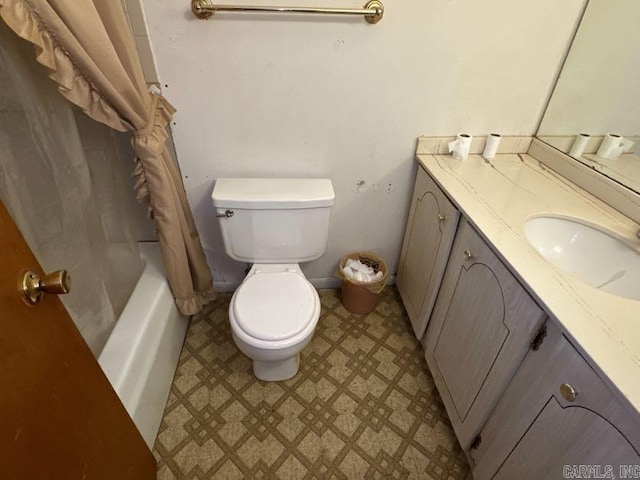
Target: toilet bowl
{"x": 273, "y": 315}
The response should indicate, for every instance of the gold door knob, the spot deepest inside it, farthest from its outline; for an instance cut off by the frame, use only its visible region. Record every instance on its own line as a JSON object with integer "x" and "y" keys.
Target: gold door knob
{"x": 467, "y": 255}
{"x": 56, "y": 283}
{"x": 568, "y": 392}
{"x": 441, "y": 217}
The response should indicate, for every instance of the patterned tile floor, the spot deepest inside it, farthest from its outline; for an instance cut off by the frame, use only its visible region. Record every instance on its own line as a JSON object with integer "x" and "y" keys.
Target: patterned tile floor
{"x": 362, "y": 406}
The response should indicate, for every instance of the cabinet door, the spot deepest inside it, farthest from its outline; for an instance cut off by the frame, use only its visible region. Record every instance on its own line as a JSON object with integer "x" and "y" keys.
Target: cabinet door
{"x": 536, "y": 433}
{"x": 481, "y": 328}
{"x": 430, "y": 230}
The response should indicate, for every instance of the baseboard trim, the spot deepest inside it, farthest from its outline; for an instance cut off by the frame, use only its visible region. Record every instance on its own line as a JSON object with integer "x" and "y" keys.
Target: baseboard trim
{"x": 319, "y": 283}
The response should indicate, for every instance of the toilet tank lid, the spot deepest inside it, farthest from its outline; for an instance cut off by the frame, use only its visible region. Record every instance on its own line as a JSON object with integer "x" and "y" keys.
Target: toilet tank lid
{"x": 272, "y": 193}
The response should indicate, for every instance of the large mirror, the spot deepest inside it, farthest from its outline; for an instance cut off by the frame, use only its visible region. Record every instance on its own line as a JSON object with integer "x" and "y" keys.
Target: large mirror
{"x": 597, "y": 96}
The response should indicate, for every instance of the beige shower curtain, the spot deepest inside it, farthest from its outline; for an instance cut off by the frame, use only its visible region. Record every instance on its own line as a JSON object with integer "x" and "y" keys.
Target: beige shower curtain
{"x": 89, "y": 51}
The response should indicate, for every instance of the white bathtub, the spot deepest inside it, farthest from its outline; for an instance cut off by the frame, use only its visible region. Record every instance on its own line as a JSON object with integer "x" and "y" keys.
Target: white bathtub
{"x": 141, "y": 355}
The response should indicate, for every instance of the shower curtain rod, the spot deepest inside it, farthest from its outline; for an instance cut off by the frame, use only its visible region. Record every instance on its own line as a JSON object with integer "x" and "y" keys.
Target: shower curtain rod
{"x": 372, "y": 11}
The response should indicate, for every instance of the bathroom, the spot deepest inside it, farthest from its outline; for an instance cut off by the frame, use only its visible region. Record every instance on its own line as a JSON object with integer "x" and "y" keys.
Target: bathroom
{"x": 347, "y": 101}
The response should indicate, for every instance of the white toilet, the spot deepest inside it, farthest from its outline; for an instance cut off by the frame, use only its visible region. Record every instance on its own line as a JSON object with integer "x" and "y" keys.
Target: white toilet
{"x": 274, "y": 223}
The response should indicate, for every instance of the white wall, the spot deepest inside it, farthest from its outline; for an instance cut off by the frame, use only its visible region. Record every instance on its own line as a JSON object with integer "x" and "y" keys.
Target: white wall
{"x": 270, "y": 95}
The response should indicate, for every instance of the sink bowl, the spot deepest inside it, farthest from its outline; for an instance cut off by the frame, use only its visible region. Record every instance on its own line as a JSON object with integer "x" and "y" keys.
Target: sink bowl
{"x": 594, "y": 255}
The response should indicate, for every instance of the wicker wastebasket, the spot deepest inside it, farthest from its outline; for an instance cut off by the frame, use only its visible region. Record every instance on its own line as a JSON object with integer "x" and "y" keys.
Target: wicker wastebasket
{"x": 362, "y": 297}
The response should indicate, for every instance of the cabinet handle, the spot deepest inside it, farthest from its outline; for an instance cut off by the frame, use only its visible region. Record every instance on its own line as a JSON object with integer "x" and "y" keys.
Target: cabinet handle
{"x": 568, "y": 392}
{"x": 467, "y": 255}
{"x": 441, "y": 217}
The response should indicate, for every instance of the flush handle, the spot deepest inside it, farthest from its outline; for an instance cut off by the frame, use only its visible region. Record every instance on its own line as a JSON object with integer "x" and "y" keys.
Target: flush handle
{"x": 34, "y": 286}
{"x": 227, "y": 214}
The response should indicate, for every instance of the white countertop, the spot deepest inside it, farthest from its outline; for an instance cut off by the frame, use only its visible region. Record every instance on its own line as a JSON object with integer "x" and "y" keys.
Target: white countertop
{"x": 497, "y": 198}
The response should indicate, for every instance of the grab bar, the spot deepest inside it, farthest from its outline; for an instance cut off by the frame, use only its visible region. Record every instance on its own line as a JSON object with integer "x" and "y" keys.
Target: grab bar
{"x": 373, "y": 10}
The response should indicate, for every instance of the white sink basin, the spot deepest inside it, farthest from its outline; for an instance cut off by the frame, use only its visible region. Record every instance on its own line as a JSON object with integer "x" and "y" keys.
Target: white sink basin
{"x": 595, "y": 256}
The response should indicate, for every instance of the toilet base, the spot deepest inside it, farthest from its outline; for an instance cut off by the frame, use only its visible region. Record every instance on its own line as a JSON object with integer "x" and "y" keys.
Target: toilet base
{"x": 276, "y": 371}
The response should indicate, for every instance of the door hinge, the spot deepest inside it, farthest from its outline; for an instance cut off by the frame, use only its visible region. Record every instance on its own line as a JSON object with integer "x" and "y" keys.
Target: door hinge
{"x": 539, "y": 338}
{"x": 476, "y": 442}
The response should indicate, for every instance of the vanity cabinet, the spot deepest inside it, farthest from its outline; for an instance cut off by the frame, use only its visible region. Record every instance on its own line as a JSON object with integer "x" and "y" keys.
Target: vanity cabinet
{"x": 557, "y": 414}
{"x": 481, "y": 328}
{"x": 523, "y": 390}
{"x": 431, "y": 226}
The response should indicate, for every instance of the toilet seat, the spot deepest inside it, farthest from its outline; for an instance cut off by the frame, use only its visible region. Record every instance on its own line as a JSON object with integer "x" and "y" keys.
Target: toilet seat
{"x": 274, "y": 306}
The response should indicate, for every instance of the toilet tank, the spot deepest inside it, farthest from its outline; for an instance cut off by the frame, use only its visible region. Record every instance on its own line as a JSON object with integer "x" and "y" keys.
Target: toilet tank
{"x": 274, "y": 220}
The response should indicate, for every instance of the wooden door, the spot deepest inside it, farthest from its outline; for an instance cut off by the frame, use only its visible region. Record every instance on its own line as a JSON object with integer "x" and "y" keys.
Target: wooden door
{"x": 432, "y": 224}
{"x": 59, "y": 416}
{"x": 480, "y": 331}
{"x": 535, "y": 433}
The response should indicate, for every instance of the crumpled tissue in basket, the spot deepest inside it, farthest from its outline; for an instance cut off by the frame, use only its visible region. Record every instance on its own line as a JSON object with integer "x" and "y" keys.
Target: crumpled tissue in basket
{"x": 356, "y": 270}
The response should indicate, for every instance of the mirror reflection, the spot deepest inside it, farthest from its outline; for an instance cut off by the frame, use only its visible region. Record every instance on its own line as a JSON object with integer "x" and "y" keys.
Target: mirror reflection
{"x": 594, "y": 112}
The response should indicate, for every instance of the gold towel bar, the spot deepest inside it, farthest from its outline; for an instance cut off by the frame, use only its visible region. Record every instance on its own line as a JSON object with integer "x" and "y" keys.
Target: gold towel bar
{"x": 373, "y": 10}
